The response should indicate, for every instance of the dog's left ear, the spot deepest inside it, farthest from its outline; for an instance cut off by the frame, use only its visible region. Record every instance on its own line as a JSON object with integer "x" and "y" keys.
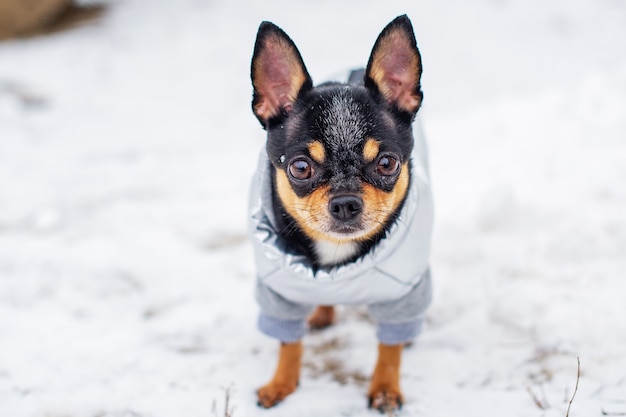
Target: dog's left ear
{"x": 278, "y": 73}
{"x": 395, "y": 66}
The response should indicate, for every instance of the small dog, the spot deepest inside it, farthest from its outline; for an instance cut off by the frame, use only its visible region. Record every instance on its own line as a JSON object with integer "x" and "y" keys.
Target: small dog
{"x": 341, "y": 208}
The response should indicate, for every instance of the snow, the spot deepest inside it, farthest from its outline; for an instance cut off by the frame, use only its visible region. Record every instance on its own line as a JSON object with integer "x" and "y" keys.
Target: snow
{"x": 126, "y": 149}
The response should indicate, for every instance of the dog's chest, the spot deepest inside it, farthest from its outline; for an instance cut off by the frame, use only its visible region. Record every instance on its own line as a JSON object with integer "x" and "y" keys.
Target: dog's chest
{"x": 332, "y": 253}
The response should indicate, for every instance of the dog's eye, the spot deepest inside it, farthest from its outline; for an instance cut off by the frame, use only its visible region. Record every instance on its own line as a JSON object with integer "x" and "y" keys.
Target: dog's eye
{"x": 387, "y": 165}
{"x": 300, "y": 169}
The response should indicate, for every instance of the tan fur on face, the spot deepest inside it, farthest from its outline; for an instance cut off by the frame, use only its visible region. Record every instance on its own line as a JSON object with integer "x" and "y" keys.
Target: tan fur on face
{"x": 317, "y": 151}
{"x": 370, "y": 150}
{"x": 311, "y": 211}
{"x": 378, "y": 205}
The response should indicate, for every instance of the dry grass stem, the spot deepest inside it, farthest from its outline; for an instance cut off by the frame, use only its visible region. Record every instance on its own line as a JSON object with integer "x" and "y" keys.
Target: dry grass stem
{"x": 228, "y": 410}
{"x": 569, "y": 405}
{"x": 613, "y": 413}
{"x": 541, "y": 403}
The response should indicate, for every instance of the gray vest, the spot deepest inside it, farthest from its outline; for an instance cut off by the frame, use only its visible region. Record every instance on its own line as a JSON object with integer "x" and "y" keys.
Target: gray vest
{"x": 388, "y": 272}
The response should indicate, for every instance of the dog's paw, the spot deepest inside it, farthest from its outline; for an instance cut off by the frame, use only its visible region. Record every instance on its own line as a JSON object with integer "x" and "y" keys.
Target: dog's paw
{"x": 322, "y": 317}
{"x": 385, "y": 400}
{"x": 273, "y": 393}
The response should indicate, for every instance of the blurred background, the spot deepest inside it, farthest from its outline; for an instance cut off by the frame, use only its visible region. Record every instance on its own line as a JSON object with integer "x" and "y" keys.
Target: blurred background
{"x": 126, "y": 148}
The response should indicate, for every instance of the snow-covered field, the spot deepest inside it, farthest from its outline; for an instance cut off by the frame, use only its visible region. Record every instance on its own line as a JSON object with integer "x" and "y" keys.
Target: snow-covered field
{"x": 126, "y": 148}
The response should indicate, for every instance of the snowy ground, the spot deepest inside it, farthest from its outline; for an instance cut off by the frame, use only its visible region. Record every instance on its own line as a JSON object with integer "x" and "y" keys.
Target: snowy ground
{"x": 126, "y": 149}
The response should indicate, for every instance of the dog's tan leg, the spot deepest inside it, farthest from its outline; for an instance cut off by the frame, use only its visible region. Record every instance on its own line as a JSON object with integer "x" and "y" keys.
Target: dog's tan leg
{"x": 384, "y": 393}
{"x": 322, "y": 317}
{"x": 285, "y": 378}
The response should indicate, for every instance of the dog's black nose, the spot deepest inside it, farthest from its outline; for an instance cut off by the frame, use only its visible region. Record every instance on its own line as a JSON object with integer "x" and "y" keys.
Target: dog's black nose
{"x": 345, "y": 207}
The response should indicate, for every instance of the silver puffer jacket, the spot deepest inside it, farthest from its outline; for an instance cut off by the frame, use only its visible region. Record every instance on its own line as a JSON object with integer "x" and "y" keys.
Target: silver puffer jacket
{"x": 388, "y": 272}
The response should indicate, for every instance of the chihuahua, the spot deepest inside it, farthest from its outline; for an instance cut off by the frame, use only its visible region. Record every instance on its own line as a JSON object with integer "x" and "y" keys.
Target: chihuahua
{"x": 341, "y": 207}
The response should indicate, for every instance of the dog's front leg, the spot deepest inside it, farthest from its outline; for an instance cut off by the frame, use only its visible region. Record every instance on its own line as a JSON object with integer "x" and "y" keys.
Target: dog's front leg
{"x": 384, "y": 393}
{"x": 285, "y": 378}
{"x": 322, "y": 317}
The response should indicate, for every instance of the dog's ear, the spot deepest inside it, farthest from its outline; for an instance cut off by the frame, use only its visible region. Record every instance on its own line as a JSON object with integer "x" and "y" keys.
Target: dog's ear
{"x": 278, "y": 73}
{"x": 395, "y": 66}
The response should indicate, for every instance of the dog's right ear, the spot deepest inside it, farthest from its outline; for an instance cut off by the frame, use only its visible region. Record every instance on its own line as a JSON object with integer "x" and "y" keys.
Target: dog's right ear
{"x": 278, "y": 73}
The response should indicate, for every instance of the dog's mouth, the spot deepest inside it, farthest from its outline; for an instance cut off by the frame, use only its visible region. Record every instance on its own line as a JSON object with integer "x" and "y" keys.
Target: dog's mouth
{"x": 347, "y": 230}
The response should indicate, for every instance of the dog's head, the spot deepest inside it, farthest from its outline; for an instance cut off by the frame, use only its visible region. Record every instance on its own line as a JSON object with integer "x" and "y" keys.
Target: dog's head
{"x": 341, "y": 153}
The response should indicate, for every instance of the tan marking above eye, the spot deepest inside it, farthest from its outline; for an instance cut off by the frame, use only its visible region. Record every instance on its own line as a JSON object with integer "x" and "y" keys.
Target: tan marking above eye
{"x": 317, "y": 151}
{"x": 370, "y": 149}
